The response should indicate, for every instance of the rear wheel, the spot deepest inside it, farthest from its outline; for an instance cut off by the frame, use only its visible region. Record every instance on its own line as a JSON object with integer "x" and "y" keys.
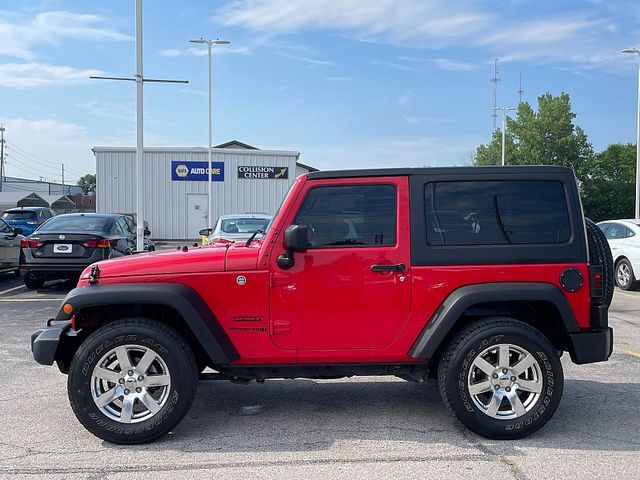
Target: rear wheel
{"x": 132, "y": 381}
{"x": 501, "y": 378}
{"x": 33, "y": 283}
{"x": 625, "y": 278}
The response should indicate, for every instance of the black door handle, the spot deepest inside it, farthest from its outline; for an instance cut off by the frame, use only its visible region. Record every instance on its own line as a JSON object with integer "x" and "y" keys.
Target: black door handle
{"x": 398, "y": 267}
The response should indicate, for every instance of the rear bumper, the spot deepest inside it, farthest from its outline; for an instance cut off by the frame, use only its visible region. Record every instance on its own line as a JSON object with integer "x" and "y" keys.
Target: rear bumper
{"x": 46, "y": 341}
{"x": 591, "y": 346}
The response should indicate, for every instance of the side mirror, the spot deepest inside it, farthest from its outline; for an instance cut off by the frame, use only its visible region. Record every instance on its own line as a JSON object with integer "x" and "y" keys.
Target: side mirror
{"x": 296, "y": 239}
{"x": 205, "y": 231}
{"x": 147, "y": 232}
{"x": 17, "y": 231}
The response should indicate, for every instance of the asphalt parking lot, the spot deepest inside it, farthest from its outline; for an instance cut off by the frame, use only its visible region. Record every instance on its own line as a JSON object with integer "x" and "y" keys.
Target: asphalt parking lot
{"x": 373, "y": 427}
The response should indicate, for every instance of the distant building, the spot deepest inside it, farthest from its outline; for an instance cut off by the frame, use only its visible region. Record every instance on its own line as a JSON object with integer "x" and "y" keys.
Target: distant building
{"x": 245, "y": 179}
{"x": 25, "y": 185}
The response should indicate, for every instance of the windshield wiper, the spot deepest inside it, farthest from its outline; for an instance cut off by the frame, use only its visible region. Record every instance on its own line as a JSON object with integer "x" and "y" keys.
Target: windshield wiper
{"x": 253, "y": 235}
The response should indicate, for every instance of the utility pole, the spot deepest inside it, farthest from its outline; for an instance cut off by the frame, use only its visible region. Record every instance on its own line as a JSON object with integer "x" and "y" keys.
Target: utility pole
{"x": 1, "y": 156}
{"x": 504, "y": 129}
{"x": 209, "y": 44}
{"x": 140, "y": 80}
{"x": 495, "y": 81}
{"x": 520, "y": 91}
{"x": 63, "y": 179}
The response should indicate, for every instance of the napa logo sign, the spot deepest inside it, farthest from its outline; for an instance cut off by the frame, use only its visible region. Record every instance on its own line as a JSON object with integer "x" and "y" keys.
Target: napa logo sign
{"x": 182, "y": 170}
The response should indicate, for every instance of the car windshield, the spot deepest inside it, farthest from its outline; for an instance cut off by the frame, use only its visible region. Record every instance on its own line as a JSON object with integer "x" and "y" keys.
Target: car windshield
{"x": 20, "y": 215}
{"x": 75, "y": 224}
{"x": 243, "y": 225}
{"x": 4, "y": 228}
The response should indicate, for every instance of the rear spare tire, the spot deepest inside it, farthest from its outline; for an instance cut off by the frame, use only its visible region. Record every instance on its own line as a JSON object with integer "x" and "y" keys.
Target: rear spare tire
{"x": 601, "y": 259}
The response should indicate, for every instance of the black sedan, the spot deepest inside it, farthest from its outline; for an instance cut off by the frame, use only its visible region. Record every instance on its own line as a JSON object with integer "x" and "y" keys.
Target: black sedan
{"x": 63, "y": 246}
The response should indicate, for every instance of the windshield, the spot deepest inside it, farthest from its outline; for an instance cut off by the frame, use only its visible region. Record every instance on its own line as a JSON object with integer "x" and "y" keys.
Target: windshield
{"x": 75, "y": 224}
{"x": 243, "y": 225}
{"x": 21, "y": 215}
{"x": 275, "y": 215}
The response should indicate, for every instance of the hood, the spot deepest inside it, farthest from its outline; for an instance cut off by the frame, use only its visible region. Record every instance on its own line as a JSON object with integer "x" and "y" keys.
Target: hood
{"x": 195, "y": 260}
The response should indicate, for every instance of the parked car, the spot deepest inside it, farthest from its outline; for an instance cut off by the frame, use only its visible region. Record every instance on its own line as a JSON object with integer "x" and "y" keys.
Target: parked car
{"x": 235, "y": 228}
{"x": 27, "y": 218}
{"x": 624, "y": 240}
{"x": 10, "y": 248}
{"x": 62, "y": 247}
{"x": 149, "y": 244}
{"x": 480, "y": 276}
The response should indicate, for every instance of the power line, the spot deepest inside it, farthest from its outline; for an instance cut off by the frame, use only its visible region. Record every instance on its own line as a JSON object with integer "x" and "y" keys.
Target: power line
{"x": 16, "y": 152}
{"x": 41, "y": 160}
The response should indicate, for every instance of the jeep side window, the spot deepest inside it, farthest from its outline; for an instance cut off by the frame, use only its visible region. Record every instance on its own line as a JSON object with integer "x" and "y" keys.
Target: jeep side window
{"x": 350, "y": 216}
{"x": 496, "y": 213}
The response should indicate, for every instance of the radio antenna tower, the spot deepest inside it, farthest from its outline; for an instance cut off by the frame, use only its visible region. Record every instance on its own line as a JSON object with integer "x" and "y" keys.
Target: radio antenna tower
{"x": 495, "y": 81}
{"x": 520, "y": 91}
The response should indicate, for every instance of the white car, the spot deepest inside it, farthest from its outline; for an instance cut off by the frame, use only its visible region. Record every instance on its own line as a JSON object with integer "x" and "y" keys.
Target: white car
{"x": 624, "y": 240}
{"x": 236, "y": 228}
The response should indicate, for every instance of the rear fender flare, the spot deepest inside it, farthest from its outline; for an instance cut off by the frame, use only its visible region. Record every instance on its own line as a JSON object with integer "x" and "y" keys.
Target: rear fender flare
{"x": 181, "y": 298}
{"x": 449, "y": 312}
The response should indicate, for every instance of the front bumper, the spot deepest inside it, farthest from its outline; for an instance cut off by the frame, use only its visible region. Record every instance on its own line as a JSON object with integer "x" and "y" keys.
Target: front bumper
{"x": 591, "y": 346}
{"x": 45, "y": 342}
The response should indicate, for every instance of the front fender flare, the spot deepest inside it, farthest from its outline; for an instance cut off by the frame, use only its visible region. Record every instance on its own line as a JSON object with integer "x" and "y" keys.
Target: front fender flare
{"x": 452, "y": 308}
{"x": 182, "y": 298}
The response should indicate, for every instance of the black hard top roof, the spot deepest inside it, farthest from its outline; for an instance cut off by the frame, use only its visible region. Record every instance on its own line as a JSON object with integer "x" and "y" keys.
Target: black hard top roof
{"x": 398, "y": 172}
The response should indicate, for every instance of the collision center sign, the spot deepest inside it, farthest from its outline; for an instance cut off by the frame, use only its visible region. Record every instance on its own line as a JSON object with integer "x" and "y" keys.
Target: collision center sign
{"x": 196, "y": 171}
{"x": 260, "y": 172}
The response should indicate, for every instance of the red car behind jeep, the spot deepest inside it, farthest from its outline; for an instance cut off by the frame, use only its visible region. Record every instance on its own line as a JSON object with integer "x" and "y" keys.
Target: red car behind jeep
{"x": 481, "y": 276}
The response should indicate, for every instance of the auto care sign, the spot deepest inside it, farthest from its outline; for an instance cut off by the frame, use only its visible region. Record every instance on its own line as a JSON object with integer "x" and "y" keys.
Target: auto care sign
{"x": 196, "y": 171}
{"x": 260, "y": 172}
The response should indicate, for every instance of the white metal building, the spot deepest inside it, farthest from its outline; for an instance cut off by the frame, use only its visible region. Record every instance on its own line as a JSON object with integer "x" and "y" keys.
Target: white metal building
{"x": 245, "y": 179}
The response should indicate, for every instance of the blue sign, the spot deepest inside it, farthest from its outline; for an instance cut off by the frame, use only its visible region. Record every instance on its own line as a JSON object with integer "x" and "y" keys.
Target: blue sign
{"x": 196, "y": 171}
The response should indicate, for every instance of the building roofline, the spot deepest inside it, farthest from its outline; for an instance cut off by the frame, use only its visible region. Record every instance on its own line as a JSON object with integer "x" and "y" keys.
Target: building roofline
{"x": 237, "y": 151}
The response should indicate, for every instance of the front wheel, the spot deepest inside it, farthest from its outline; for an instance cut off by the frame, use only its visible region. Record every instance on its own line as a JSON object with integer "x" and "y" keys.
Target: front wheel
{"x": 501, "y": 378}
{"x": 132, "y": 381}
{"x": 33, "y": 283}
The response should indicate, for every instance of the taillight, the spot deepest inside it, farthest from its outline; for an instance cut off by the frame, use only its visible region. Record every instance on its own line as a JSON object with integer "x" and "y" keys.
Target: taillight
{"x": 597, "y": 284}
{"x": 26, "y": 243}
{"x": 219, "y": 241}
{"x": 34, "y": 222}
{"x": 98, "y": 243}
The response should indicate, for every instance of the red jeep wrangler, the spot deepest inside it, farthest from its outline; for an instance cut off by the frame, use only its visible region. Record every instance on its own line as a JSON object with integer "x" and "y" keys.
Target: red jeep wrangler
{"x": 481, "y": 276}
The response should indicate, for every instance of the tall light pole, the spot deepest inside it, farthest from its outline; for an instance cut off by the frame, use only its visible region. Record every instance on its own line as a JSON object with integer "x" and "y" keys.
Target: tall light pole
{"x": 209, "y": 44}
{"x": 504, "y": 128}
{"x": 635, "y": 51}
{"x": 140, "y": 80}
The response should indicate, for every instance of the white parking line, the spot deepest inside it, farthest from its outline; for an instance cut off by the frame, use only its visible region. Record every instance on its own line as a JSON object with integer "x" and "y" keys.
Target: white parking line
{"x": 8, "y": 300}
{"x": 9, "y": 290}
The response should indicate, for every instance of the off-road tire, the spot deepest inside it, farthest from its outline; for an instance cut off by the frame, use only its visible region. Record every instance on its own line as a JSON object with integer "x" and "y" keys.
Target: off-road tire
{"x": 33, "y": 283}
{"x": 457, "y": 361}
{"x": 632, "y": 283}
{"x": 600, "y": 255}
{"x": 165, "y": 342}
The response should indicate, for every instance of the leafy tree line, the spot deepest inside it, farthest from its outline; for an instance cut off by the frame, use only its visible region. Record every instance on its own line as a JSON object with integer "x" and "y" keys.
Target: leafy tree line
{"x": 549, "y": 136}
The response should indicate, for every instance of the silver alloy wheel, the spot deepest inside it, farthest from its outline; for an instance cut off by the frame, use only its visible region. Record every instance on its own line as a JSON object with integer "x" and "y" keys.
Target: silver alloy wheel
{"x": 130, "y": 383}
{"x": 505, "y": 381}
{"x": 624, "y": 274}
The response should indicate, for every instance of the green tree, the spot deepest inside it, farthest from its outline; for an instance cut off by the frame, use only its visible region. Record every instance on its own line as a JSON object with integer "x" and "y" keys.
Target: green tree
{"x": 87, "y": 183}
{"x": 608, "y": 189}
{"x": 546, "y": 137}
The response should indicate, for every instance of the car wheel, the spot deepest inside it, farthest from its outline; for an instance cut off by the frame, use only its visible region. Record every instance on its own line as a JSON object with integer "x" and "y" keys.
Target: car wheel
{"x": 501, "y": 378}
{"x": 132, "y": 381}
{"x": 625, "y": 279}
{"x": 33, "y": 283}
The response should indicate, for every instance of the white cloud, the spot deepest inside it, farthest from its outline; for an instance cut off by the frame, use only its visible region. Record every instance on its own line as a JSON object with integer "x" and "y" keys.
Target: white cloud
{"x": 570, "y": 37}
{"x": 404, "y": 98}
{"x": 398, "y": 152}
{"x": 299, "y": 58}
{"x": 26, "y": 75}
{"x": 53, "y": 142}
{"x": 412, "y": 120}
{"x": 393, "y": 65}
{"x": 20, "y": 35}
{"x": 202, "y": 51}
{"x": 451, "y": 65}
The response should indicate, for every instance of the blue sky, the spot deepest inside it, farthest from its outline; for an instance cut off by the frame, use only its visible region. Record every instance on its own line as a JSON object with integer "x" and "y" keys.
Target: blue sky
{"x": 350, "y": 83}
